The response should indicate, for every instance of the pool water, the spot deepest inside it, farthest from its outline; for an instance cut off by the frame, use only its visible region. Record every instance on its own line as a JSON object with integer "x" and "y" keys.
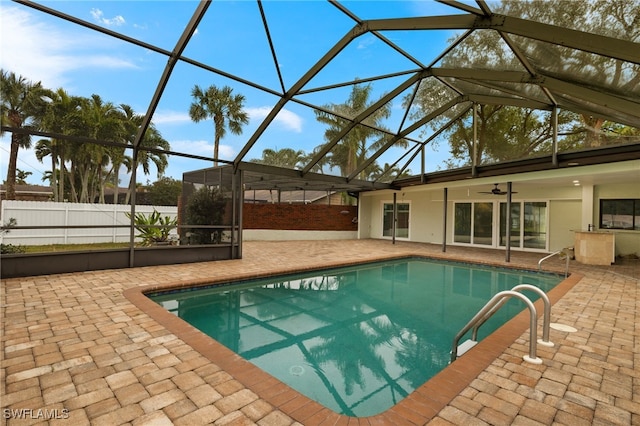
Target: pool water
{"x": 355, "y": 339}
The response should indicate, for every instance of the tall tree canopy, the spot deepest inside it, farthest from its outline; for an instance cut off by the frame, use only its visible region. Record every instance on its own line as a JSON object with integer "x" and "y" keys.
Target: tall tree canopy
{"x": 509, "y": 132}
{"x": 80, "y": 171}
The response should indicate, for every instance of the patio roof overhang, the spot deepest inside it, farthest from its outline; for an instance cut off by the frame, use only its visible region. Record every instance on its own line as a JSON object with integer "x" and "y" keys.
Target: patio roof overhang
{"x": 535, "y": 74}
{"x": 265, "y": 177}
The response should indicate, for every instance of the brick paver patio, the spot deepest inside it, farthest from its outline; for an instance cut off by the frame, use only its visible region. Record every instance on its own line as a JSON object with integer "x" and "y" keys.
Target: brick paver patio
{"x": 78, "y": 349}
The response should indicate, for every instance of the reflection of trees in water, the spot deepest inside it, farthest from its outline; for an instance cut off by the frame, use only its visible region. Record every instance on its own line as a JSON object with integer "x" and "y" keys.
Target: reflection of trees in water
{"x": 416, "y": 355}
{"x": 214, "y": 316}
{"x": 325, "y": 288}
{"x": 339, "y": 348}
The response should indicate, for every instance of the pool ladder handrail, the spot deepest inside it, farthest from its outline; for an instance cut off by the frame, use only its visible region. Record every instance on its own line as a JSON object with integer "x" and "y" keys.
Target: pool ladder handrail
{"x": 495, "y": 303}
{"x": 565, "y": 251}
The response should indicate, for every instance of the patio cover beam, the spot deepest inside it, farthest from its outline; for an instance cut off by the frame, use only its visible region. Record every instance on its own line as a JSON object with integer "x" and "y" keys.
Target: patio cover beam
{"x": 433, "y": 136}
{"x": 361, "y": 117}
{"x": 505, "y": 100}
{"x": 295, "y": 89}
{"x": 588, "y": 42}
{"x": 297, "y": 180}
{"x": 171, "y": 63}
{"x": 415, "y": 126}
{"x": 550, "y": 83}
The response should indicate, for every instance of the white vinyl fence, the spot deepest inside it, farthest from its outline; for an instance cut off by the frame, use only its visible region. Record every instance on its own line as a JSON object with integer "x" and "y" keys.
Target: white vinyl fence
{"x": 49, "y": 213}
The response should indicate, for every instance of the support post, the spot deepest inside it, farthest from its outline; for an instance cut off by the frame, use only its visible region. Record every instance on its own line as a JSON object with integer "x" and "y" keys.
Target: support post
{"x": 395, "y": 218}
{"x": 422, "y": 164}
{"x": 444, "y": 221}
{"x": 554, "y": 124}
{"x": 474, "y": 159}
{"x": 132, "y": 200}
{"x": 508, "y": 225}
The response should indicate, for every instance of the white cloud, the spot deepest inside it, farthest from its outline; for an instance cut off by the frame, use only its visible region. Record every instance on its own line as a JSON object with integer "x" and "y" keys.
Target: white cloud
{"x": 98, "y": 16}
{"x": 170, "y": 117}
{"x": 366, "y": 41}
{"x": 42, "y": 52}
{"x": 286, "y": 118}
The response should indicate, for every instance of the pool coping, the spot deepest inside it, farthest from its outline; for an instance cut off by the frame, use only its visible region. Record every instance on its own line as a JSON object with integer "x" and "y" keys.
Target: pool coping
{"x": 422, "y": 405}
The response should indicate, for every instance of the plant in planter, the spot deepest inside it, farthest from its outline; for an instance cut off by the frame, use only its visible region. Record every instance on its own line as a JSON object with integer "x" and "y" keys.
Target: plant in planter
{"x": 204, "y": 207}
{"x": 154, "y": 229}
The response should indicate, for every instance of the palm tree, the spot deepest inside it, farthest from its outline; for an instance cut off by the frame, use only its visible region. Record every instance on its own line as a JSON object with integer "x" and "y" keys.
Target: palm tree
{"x": 22, "y": 105}
{"x": 152, "y": 139}
{"x": 286, "y": 157}
{"x": 101, "y": 121}
{"x": 131, "y": 122}
{"x": 62, "y": 116}
{"x": 388, "y": 172}
{"x": 221, "y": 105}
{"x": 352, "y": 150}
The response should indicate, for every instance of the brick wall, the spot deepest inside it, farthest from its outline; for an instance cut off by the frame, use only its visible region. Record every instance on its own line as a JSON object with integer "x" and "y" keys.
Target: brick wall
{"x": 308, "y": 217}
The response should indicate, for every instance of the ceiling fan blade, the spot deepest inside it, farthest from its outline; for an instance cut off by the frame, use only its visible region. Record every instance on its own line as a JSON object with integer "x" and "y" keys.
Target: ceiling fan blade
{"x": 496, "y": 192}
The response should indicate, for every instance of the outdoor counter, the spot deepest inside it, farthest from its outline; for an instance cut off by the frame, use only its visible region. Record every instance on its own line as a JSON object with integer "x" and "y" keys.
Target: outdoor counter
{"x": 595, "y": 247}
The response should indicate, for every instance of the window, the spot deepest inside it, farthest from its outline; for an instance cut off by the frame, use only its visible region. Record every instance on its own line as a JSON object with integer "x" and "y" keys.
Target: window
{"x": 620, "y": 214}
{"x": 402, "y": 223}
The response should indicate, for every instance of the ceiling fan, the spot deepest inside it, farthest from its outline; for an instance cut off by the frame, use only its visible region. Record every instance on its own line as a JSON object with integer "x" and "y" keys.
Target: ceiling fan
{"x": 496, "y": 191}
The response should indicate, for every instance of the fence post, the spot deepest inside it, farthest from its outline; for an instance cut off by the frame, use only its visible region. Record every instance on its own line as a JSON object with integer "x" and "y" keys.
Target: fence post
{"x": 66, "y": 222}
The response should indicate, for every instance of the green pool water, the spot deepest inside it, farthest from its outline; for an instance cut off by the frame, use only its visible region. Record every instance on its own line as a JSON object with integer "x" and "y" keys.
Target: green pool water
{"x": 356, "y": 339}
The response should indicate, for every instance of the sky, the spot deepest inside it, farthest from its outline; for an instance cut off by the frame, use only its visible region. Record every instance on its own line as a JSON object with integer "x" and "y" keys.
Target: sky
{"x": 230, "y": 38}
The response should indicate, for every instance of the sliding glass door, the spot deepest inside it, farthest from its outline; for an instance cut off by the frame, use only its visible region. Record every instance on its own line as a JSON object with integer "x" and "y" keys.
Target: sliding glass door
{"x": 528, "y": 222}
{"x": 485, "y": 224}
{"x": 473, "y": 223}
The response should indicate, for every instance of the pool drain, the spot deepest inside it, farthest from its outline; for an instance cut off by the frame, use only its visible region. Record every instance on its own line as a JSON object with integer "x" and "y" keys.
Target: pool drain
{"x": 296, "y": 370}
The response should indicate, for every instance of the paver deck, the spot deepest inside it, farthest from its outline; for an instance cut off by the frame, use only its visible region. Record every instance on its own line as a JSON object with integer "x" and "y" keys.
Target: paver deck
{"x": 84, "y": 348}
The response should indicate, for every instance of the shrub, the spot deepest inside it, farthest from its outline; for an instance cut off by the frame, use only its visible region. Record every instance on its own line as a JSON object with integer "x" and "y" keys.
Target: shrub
{"x": 153, "y": 228}
{"x": 204, "y": 207}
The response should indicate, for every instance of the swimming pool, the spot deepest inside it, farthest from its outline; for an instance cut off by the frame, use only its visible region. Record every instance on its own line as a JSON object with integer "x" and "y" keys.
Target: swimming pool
{"x": 356, "y": 339}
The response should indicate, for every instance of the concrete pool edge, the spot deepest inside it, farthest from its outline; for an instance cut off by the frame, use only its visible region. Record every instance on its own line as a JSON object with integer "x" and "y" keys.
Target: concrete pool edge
{"x": 420, "y": 406}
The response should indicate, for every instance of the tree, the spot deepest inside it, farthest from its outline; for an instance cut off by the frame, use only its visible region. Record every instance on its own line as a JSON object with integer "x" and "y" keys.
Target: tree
{"x": 221, "y": 105}
{"x": 62, "y": 116}
{"x": 165, "y": 192}
{"x": 286, "y": 157}
{"x": 506, "y": 132}
{"x": 22, "y": 105}
{"x": 152, "y": 139}
{"x": 21, "y": 177}
{"x": 352, "y": 150}
{"x": 387, "y": 172}
{"x": 98, "y": 120}
{"x": 205, "y": 206}
{"x": 618, "y": 19}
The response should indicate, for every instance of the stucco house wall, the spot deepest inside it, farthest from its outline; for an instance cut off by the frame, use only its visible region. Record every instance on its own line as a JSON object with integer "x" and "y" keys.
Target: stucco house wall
{"x": 569, "y": 208}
